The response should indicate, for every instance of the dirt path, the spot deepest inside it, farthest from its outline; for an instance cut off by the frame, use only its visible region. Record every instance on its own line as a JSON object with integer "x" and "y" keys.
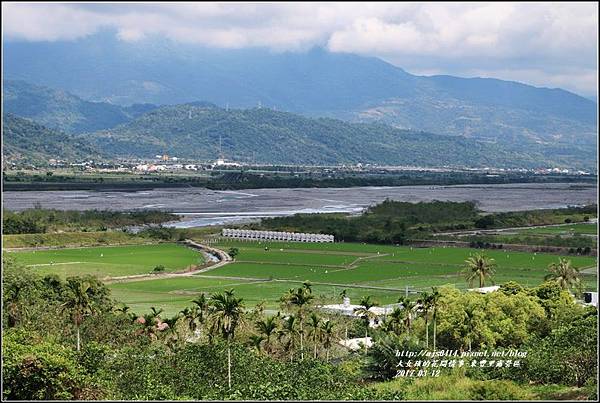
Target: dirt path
{"x": 223, "y": 257}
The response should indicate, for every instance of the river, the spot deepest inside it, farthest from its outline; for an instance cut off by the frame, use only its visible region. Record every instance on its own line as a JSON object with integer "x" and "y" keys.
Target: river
{"x": 201, "y": 207}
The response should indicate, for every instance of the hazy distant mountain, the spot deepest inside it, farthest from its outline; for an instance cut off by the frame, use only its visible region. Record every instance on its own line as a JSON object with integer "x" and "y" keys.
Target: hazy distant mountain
{"x": 27, "y": 141}
{"x": 61, "y": 110}
{"x": 317, "y": 83}
{"x": 268, "y": 136}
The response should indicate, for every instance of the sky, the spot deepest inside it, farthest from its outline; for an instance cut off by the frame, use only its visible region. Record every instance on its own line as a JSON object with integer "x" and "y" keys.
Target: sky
{"x": 543, "y": 44}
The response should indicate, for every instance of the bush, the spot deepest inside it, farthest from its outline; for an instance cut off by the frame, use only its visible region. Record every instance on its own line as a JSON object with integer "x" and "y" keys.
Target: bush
{"x": 497, "y": 390}
{"x": 41, "y": 371}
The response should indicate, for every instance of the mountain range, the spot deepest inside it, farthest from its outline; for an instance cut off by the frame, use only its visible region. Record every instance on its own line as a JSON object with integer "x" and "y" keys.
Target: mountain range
{"x": 315, "y": 83}
{"x": 60, "y": 110}
{"x": 27, "y": 141}
{"x": 202, "y": 130}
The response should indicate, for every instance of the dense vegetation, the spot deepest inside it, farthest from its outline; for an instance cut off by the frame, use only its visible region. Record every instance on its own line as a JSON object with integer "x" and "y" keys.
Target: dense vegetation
{"x": 70, "y": 340}
{"x": 63, "y": 111}
{"x": 27, "y": 141}
{"x": 193, "y": 131}
{"x": 395, "y": 222}
{"x": 241, "y": 179}
{"x": 38, "y": 220}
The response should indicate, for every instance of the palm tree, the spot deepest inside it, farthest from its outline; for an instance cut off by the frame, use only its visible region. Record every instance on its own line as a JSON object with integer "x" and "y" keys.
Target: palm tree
{"x": 301, "y": 298}
{"x": 468, "y": 326}
{"x": 327, "y": 333}
{"x": 256, "y": 341}
{"x": 190, "y": 316}
{"x": 435, "y": 299}
{"x": 202, "y": 304}
{"x": 395, "y": 321}
{"x": 267, "y": 328}
{"x": 565, "y": 275}
{"x": 226, "y": 312}
{"x": 479, "y": 266}
{"x": 289, "y": 333}
{"x": 170, "y": 331}
{"x": 79, "y": 303}
{"x": 343, "y": 295}
{"x": 365, "y": 312}
{"x": 156, "y": 312}
{"x": 148, "y": 322}
{"x": 407, "y": 308}
{"x": 315, "y": 330}
{"x": 425, "y": 302}
{"x": 123, "y": 310}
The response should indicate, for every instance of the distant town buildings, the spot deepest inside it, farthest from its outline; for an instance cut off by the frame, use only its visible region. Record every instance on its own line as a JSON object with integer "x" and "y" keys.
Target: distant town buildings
{"x": 275, "y": 236}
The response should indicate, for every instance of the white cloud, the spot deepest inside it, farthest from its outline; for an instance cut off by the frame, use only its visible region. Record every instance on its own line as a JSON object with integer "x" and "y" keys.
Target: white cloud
{"x": 542, "y": 43}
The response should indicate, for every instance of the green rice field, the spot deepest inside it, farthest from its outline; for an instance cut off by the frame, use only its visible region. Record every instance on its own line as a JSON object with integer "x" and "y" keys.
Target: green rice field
{"x": 383, "y": 266}
{"x": 570, "y": 229}
{"x": 263, "y": 272}
{"x": 109, "y": 261}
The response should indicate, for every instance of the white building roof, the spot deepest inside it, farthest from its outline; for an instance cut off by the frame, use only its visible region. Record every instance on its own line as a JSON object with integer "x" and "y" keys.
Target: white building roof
{"x": 355, "y": 344}
{"x": 485, "y": 290}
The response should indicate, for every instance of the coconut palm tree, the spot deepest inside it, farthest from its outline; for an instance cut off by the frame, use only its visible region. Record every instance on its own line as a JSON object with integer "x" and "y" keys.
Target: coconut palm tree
{"x": 267, "y": 328}
{"x": 567, "y": 276}
{"x": 364, "y": 311}
{"x": 226, "y": 312}
{"x": 425, "y": 303}
{"x": 435, "y": 300}
{"x": 314, "y": 323}
{"x": 78, "y": 303}
{"x": 327, "y": 334}
{"x": 479, "y": 266}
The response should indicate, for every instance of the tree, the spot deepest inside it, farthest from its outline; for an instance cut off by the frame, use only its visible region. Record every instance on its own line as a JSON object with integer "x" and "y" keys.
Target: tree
{"x": 289, "y": 334}
{"x": 479, "y": 266}
{"x": 435, "y": 299}
{"x": 407, "y": 312}
{"x": 226, "y": 312}
{"x": 468, "y": 325}
{"x": 565, "y": 275}
{"x": 364, "y": 311}
{"x": 425, "y": 302}
{"x": 314, "y": 324}
{"x": 301, "y": 298}
{"x": 79, "y": 303}
{"x": 233, "y": 252}
{"x": 327, "y": 333}
{"x": 256, "y": 341}
{"x": 267, "y": 328}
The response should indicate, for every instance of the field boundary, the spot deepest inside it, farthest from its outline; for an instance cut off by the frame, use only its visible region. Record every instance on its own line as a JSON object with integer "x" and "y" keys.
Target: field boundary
{"x": 223, "y": 257}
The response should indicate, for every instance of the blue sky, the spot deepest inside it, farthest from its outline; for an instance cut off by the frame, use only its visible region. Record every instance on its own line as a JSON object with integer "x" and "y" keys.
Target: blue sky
{"x": 544, "y": 44}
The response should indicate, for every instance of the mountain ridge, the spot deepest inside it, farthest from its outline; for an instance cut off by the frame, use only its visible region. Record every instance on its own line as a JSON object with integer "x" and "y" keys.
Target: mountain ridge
{"x": 316, "y": 83}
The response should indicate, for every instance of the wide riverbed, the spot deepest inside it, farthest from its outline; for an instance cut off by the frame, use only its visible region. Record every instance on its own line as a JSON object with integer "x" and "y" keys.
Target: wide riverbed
{"x": 203, "y": 207}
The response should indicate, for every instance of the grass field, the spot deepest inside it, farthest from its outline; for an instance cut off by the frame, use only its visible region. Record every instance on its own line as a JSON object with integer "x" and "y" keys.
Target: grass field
{"x": 109, "y": 261}
{"x": 263, "y": 272}
{"x": 587, "y": 229}
{"x": 383, "y": 266}
{"x": 260, "y": 275}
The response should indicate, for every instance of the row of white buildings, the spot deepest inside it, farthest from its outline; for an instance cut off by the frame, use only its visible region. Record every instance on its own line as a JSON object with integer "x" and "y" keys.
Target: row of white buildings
{"x": 275, "y": 235}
